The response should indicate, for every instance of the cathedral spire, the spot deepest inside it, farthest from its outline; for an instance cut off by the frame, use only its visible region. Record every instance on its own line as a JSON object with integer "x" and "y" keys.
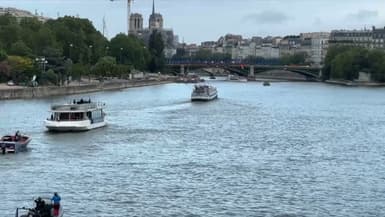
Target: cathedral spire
{"x": 153, "y": 6}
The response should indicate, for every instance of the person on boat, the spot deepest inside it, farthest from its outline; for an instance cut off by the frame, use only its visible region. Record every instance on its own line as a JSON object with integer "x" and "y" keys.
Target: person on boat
{"x": 56, "y": 204}
{"x": 17, "y": 136}
{"x": 40, "y": 205}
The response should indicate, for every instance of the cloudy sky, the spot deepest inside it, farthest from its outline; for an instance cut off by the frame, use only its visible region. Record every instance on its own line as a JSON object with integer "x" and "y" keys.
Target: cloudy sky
{"x": 202, "y": 20}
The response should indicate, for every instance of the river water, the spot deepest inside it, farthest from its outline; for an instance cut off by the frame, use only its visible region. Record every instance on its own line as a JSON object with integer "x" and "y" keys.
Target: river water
{"x": 291, "y": 149}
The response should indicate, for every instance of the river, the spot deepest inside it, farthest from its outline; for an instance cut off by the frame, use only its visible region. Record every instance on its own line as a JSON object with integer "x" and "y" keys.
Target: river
{"x": 291, "y": 149}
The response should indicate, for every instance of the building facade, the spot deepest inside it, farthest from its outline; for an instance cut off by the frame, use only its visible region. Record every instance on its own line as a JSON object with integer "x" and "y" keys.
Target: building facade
{"x": 22, "y": 14}
{"x": 362, "y": 38}
{"x": 136, "y": 23}
{"x": 155, "y": 23}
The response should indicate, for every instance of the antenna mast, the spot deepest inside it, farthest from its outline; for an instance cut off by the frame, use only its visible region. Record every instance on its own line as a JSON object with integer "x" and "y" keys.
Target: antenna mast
{"x": 128, "y": 15}
{"x": 104, "y": 26}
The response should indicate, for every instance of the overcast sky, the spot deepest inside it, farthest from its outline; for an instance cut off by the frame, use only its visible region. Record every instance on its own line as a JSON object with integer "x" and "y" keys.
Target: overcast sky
{"x": 204, "y": 20}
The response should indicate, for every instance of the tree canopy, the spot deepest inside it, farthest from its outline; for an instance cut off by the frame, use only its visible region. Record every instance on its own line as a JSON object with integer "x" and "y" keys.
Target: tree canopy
{"x": 72, "y": 47}
{"x": 345, "y": 62}
{"x": 156, "y": 47}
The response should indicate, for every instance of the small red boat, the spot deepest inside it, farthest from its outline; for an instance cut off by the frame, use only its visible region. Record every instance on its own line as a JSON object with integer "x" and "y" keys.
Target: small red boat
{"x": 14, "y": 143}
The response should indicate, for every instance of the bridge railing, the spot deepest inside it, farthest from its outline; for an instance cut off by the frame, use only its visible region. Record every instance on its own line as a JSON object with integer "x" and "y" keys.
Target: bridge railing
{"x": 223, "y": 62}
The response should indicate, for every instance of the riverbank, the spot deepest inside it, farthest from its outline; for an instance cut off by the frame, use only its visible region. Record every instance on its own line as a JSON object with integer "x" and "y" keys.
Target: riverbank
{"x": 17, "y": 92}
{"x": 354, "y": 83}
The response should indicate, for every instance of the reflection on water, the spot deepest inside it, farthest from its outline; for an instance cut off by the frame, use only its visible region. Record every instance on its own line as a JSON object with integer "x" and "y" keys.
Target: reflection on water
{"x": 291, "y": 149}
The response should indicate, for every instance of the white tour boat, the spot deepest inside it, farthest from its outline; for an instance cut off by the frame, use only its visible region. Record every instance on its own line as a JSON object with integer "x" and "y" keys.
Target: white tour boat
{"x": 80, "y": 115}
{"x": 204, "y": 92}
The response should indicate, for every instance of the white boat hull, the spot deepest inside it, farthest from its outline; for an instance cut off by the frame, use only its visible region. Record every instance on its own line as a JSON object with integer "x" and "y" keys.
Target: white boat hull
{"x": 204, "y": 98}
{"x": 72, "y": 126}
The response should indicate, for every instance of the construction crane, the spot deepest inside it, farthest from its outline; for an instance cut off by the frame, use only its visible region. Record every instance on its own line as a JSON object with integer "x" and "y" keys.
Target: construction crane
{"x": 128, "y": 12}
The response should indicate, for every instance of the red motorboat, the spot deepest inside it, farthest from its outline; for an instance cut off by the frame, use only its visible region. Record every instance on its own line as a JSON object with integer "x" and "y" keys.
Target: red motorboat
{"x": 14, "y": 143}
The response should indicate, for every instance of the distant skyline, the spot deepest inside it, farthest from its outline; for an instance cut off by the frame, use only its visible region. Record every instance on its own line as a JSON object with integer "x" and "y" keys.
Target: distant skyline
{"x": 195, "y": 21}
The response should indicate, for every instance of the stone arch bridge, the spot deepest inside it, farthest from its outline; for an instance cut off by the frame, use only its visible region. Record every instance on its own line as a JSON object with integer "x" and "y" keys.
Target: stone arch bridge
{"x": 246, "y": 70}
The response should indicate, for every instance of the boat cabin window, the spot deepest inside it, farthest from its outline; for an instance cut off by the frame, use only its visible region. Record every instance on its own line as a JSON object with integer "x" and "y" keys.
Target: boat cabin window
{"x": 68, "y": 116}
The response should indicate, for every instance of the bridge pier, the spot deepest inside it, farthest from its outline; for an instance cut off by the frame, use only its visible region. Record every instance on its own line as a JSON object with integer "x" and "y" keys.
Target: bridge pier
{"x": 182, "y": 71}
{"x": 252, "y": 71}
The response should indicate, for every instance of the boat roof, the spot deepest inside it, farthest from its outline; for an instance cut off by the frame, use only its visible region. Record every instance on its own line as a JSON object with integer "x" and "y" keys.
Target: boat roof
{"x": 203, "y": 86}
{"x": 72, "y": 108}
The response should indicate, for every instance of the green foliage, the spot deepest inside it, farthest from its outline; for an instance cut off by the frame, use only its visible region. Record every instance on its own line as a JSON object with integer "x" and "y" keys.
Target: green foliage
{"x": 3, "y": 55}
{"x": 22, "y": 68}
{"x": 129, "y": 50}
{"x": 123, "y": 71}
{"x": 376, "y": 60}
{"x": 49, "y": 77}
{"x": 343, "y": 62}
{"x": 78, "y": 38}
{"x": 7, "y": 19}
{"x": 72, "y": 47}
{"x": 5, "y": 71}
{"x": 156, "y": 47}
{"x": 333, "y": 51}
{"x": 78, "y": 70}
{"x": 295, "y": 59}
{"x": 105, "y": 67}
{"x": 9, "y": 34}
{"x": 19, "y": 48}
{"x": 203, "y": 54}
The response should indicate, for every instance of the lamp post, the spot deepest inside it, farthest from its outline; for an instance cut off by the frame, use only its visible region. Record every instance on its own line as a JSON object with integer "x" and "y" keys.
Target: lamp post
{"x": 120, "y": 60}
{"x": 70, "y": 48}
{"x": 107, "y": 50}
{"x": 90, "y": 54}
{"x": 42, "y": 61}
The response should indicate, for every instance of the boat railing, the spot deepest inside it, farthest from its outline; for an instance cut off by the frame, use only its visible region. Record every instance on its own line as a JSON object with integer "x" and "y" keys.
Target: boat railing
{"x": 75, "y": 107}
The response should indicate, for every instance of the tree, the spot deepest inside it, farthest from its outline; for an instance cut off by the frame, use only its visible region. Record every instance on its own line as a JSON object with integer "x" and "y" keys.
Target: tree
{"x": 19, "y": 48}
{"x": 3, "y": 55}
{"x": 296, "y": 59}
{"x": 68, "y": 64}
{"x": 347, "y": 62}
{"x": 333, "y": 51}
{"x": 105, "y": 67}
{"x": 156, "y": 47}
{"x": 9, "y": 34}
{"x": 203, "y": 54}
{"x": 22, "y": 68}
{"x": 5, "y": 71}
{"x": 376, "y": 60}
{"x": 78, "y": 70}
{"x": 49, "y": 77}
{"x": 129, "y": 50}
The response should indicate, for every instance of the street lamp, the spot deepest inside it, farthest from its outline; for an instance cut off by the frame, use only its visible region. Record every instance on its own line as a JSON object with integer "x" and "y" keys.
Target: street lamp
{"x": 42, "y": 61}
{"x": 121, "y": 50}
{"x": 90, "y": 53}
{"x": 70, "y": 48}
{"x": 107, "y": 50}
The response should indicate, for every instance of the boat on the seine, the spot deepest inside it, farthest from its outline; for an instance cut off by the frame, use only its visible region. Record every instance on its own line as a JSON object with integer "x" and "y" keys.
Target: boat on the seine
{"x": 14, "y": 143}
{"x": 204, "y": 92}
{"x": 43, "y": 208}
{"x": 266, "y": 83}
{"x": 81, "y": 115}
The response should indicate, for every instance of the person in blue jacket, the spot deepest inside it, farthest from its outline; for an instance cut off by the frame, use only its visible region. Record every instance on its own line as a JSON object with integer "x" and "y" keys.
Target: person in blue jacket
{"x": 56, "y": 204}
